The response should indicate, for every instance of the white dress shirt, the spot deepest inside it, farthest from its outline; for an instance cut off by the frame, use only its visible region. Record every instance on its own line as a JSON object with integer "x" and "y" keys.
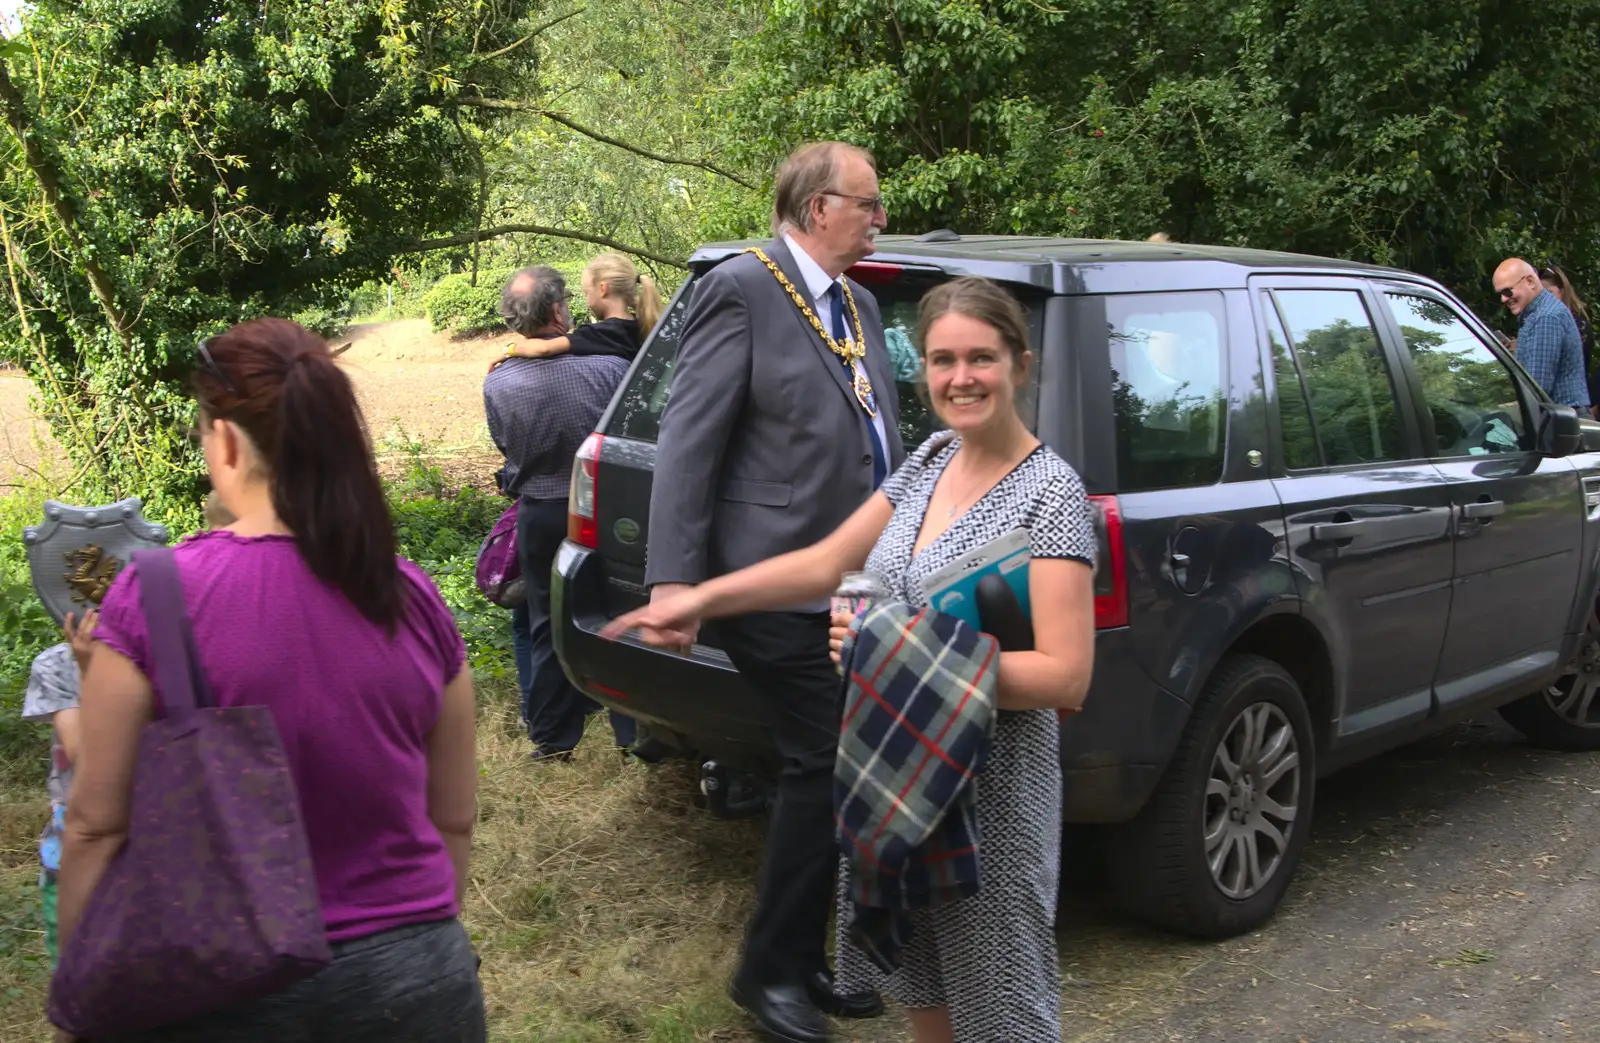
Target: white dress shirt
{"x": 817, "y": 283}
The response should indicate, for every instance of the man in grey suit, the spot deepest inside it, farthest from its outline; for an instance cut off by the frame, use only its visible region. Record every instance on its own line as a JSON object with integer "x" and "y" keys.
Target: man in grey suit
{"x": 773, "y": 435}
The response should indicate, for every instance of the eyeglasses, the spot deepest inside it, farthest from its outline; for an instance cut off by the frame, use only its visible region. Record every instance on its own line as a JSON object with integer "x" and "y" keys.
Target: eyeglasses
{"x": 209, "y": 364}
{"x": 1507, "y": 293}
{"x": 874, "y": 204}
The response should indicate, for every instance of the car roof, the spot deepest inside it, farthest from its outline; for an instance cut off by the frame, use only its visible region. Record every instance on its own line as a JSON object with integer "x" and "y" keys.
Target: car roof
{"x": 1062, "y": 265}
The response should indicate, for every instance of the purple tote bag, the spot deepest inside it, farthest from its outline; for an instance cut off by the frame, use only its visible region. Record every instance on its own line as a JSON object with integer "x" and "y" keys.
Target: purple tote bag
{"x": 212, "y": 901}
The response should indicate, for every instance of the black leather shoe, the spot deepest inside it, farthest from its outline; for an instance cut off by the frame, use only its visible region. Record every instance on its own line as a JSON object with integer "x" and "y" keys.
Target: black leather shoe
{"x": 784, "y": 1012}
{"x": 819, "y": 987}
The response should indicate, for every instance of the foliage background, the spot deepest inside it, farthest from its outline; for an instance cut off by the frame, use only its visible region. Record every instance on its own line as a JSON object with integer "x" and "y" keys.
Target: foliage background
{"x": 1439, "y": 137}
{"x": 221, "y": 158}
{"x": 216, "y": 159}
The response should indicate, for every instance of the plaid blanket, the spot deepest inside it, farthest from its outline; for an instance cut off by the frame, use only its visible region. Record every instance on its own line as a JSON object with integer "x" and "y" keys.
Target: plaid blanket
{"x": 919, "y": 711}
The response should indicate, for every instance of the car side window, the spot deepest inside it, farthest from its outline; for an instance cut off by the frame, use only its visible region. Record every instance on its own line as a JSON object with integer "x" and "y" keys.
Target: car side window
{"x": 1469, "y": 392}
{"x": 1346, "y": 378}
{"x": 1167, "y": 388}
{"x": 638, "y": 413}
{"x": 1300, "y": 447}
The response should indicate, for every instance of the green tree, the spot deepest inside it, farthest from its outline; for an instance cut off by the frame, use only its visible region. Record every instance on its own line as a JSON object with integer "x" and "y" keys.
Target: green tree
{"x": 174, "y": 166}
{"x": 1440, "y": 137}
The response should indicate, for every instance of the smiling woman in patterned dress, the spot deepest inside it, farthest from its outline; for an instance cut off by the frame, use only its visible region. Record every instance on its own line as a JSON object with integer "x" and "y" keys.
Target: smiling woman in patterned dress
{"x": 983, "y": 970}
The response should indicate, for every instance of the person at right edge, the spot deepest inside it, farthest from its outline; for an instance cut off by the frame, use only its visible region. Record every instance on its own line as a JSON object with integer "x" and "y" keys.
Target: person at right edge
{"x": 783, "y": 419}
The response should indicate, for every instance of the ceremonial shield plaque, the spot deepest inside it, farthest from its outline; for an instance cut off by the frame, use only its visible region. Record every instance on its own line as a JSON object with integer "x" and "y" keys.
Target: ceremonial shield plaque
{"x": 78, "y": 551}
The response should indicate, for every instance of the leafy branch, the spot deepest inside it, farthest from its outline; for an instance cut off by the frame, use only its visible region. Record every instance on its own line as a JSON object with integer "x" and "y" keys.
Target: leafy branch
{"x": 44, "y": 172}
{"x": 604, "y": 139}
{"x": 551, "y": 24}
{"x": 469, "y": 238}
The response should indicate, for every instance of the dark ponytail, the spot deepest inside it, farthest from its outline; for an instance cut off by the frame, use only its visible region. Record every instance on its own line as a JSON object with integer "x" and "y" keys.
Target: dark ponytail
{"x": 300, "y": 410}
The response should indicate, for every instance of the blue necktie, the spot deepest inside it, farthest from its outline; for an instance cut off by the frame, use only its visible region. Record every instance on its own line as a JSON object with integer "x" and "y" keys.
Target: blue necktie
{"x": 880, "y": 458}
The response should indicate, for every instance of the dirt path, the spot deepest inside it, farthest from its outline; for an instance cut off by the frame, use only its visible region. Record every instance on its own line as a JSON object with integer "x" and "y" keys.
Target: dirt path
{"x": 416, "y": 387}
{"x": 23, "y": 440}
{"x": 422, "y": 388}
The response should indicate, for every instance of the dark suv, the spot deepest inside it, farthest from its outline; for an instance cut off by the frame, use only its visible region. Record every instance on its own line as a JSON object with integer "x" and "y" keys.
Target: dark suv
{"x": 1334, "y": 515}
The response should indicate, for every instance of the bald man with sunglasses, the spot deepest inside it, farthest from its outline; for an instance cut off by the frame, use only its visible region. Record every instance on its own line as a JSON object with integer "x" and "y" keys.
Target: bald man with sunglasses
{"x": 1548, "y": 344}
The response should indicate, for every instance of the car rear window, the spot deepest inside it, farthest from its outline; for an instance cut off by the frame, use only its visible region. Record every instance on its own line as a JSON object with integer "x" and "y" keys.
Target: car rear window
{"x": 644, "y": 397}
{"x": 638, "y": 412}
{"x": 1168, "y": 387}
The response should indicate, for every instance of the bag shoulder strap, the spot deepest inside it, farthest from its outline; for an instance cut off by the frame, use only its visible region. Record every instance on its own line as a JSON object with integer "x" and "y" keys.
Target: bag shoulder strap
{"x": 178, "y": 678}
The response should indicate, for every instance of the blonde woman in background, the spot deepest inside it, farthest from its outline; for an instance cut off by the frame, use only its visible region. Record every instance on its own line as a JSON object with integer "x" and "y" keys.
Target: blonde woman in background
{"x": 625, "y": 304}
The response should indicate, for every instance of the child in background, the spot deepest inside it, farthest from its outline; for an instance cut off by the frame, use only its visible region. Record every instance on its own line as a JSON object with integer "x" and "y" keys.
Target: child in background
{"x": 52, "y": 696}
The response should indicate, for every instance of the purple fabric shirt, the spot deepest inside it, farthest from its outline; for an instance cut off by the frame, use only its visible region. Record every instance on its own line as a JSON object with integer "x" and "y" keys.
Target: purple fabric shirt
{"x": 354, "y": 708}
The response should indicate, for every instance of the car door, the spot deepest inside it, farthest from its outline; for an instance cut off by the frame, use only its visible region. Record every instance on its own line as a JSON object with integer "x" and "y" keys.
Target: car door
{"x": 1367, "y": 515}
{"x": 1518, "y": 514}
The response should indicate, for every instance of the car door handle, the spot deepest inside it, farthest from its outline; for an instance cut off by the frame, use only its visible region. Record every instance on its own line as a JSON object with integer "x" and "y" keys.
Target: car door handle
{"x": 1342, "y": 530}
{"x": 1484, "y": 509}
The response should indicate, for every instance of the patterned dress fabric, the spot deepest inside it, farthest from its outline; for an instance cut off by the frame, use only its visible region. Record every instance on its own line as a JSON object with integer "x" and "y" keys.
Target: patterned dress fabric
{"x": 990, "y": 959}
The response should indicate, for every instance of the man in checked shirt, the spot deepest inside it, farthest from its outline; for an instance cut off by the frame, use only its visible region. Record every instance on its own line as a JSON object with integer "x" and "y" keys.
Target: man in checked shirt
{"x": 539, "y": 411}
{"x": 1548, "y": 344}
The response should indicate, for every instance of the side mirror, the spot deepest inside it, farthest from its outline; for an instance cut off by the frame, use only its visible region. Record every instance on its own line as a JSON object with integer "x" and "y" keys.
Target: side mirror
{"x": 1591, "y": 435}
{"x": 1560, "y": 430}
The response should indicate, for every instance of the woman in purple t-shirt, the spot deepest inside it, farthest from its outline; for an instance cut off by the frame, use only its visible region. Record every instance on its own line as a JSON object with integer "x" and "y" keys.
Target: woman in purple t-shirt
{"x": 302, "y": 605}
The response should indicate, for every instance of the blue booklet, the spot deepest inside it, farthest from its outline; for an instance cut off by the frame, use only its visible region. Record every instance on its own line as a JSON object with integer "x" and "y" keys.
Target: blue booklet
{"x": 953, "y": 589}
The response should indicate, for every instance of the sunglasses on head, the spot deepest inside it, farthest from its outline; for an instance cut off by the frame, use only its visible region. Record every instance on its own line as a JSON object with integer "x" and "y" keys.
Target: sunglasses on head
{"x": 210, "y": 366}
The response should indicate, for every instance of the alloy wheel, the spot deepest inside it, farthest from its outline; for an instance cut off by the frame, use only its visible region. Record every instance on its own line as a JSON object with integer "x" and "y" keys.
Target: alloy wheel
{"x": 1572, "y": 697}
{"x": 1252, "y": 798}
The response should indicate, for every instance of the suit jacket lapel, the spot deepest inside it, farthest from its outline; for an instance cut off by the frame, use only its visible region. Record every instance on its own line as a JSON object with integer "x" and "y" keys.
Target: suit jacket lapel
{"x": 778, "y": 250}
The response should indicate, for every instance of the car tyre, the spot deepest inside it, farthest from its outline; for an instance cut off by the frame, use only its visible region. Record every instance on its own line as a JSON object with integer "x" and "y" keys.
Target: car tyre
{"x": 1214, "y": 848}
{"x": 1565, "y": 715}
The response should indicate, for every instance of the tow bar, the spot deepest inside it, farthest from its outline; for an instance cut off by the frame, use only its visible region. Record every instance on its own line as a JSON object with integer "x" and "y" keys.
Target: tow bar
{"x": 731, "y": 795}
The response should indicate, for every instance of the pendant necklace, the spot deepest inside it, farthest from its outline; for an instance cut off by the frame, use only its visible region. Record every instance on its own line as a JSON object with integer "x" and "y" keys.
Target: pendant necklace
{"x": 962, "y": 505}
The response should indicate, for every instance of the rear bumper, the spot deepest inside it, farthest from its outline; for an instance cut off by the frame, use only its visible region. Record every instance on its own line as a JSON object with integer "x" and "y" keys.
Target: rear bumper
{"x": 697, "y": 703}
{"x": 1115, "y": 749}
{"x": 1112, "y": 753}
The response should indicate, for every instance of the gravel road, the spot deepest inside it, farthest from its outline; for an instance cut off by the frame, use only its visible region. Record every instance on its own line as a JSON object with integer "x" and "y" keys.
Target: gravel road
{"x": 1449, "y": 893}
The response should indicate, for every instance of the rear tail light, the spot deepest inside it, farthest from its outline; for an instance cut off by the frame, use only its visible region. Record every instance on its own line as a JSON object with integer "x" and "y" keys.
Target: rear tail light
{"x": 584, "y": 498}
{"x": 875, "y": 273}
{"x": 1111, "y": 566}
{"x": 604, "y": 689}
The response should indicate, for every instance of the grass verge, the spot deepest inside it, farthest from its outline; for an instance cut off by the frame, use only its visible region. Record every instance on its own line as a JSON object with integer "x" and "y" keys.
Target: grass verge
{"x": 605, "y": 905}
